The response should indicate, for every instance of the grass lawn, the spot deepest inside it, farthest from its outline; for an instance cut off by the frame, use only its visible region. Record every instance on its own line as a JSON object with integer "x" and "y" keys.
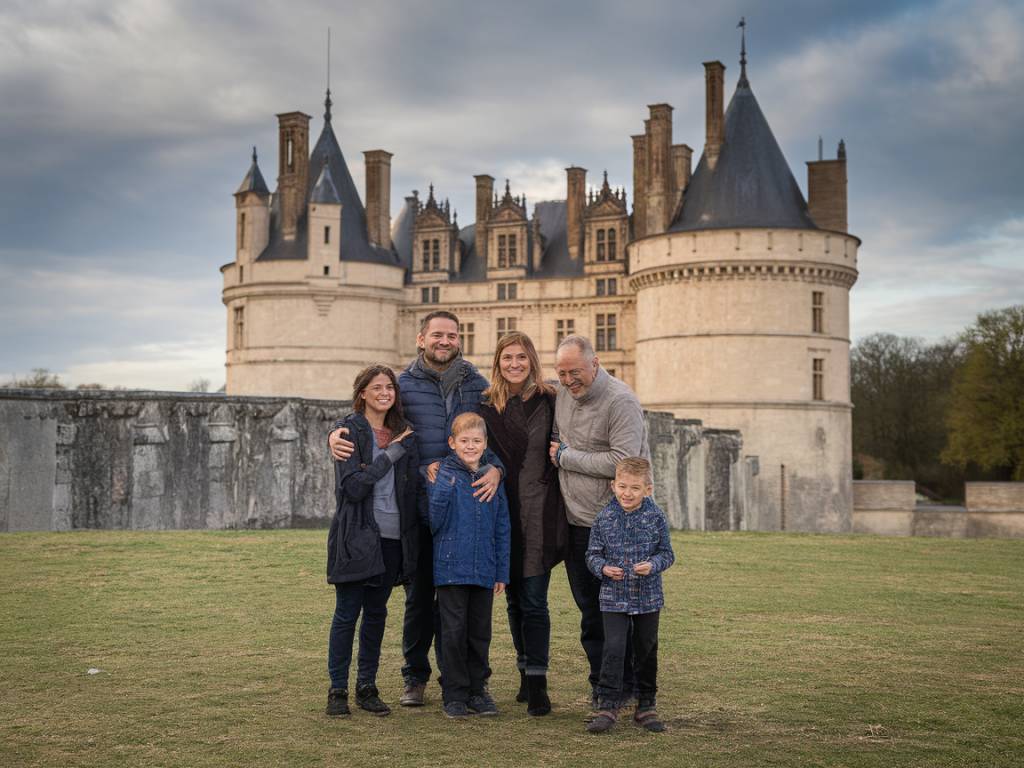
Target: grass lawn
{"x": 776, "y": 650}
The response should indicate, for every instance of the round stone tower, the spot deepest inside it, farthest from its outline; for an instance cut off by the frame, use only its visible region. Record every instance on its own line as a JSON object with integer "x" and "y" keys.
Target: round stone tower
{"x": 743, "y": 314}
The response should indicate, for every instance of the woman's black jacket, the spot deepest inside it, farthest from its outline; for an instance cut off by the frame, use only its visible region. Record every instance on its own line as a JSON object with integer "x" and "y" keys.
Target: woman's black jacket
{"x": 353, "y": 543}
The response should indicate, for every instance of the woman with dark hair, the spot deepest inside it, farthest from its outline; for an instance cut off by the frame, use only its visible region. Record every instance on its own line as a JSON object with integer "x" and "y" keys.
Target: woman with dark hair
{"x": 373, "y": 541}
{"x": 519, "y": 410}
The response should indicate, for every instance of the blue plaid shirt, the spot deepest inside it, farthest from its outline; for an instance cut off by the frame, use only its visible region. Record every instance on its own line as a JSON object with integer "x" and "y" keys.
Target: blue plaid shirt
{"x": 623, "y": 539}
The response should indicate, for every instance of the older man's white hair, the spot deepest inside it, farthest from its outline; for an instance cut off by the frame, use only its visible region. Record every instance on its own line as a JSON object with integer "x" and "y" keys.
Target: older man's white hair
{"x": 582, "y": 343}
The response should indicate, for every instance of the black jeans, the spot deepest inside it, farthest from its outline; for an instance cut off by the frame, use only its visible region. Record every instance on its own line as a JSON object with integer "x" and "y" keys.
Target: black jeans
{"x": 530, "y": 622}
{"x": 421, "y": 616}
{"x": 586, "y": 590}
{"x": 642, "y": 628}
{"x": 369, "y": 597}
{"x": 465, "y": 638}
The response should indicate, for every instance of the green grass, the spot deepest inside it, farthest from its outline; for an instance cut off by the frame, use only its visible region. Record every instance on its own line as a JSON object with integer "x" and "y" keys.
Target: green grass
{"x": 775, "y": 650}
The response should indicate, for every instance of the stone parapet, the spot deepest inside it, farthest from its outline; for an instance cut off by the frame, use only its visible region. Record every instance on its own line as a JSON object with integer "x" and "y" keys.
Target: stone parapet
{"x": 995, "y": 509}
{"x": 165, "y": 460}
{"x": 884, "y": 507}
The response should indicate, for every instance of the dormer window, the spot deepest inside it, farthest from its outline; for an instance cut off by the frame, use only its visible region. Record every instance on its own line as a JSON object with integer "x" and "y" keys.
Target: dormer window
{"x": 600, "y": 245}
{"x": 435, "y": 260}
{"x": 502, "y": 252}
{"x": 512, "y": 250}
{"x": 612, "y": 255}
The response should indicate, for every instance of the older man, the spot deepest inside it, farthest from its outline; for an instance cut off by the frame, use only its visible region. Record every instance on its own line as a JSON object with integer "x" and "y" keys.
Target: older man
{"x": 599, "y": 423}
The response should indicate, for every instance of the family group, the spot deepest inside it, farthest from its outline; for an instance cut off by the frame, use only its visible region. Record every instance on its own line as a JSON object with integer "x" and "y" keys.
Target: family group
{"x": 460, "y": 490}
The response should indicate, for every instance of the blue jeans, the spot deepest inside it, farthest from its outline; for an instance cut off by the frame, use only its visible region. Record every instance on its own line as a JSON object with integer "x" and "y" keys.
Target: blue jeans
{"x": 530, "y": 622}
{"x": 370, "y": 597}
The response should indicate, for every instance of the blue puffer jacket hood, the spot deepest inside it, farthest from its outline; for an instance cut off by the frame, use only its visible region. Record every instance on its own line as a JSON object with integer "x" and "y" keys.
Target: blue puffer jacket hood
{"x": 471, "y": 537}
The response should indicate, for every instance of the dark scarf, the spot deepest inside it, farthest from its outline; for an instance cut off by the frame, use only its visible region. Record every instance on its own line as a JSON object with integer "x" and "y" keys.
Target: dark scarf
{"x": 449, "y": 378}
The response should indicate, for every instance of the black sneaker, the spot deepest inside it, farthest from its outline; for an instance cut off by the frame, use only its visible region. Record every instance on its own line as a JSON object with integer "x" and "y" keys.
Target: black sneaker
{"x": 337, "y": 703}
{"x": 456, "y": 710}
{"x": 482, "y": 704}
{"x": 368, "y": 698}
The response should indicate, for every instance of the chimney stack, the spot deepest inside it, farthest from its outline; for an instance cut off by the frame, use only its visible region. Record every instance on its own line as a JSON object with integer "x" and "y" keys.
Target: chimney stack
{"x": 826, "y": 191}
{"x": 682, "y": 159}
{"x": 293, "y": 168}
{"x": 576, "y": 179}
{"x": 640, "y": 185}
{"x": 378, "y": 196}
{"x": 484, "y": 193}
{"x": 714, "y": 79}
{"x": 660, "y": 183}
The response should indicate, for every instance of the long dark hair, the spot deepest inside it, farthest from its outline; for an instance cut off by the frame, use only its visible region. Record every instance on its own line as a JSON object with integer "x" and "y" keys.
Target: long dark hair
{"x": 394, "y": 419}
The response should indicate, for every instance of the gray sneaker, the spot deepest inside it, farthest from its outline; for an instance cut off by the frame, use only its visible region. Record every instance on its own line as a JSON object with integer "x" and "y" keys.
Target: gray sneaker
{"x": 483, "y": 704}
{"x": 456, "y": 710}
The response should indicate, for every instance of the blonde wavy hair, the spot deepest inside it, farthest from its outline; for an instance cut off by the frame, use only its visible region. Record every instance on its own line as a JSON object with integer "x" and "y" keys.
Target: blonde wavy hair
{"x": 497, "y": 394}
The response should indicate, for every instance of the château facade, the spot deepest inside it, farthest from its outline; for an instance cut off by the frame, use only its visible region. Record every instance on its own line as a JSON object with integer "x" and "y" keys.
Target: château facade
{"x": 723, "y": 295}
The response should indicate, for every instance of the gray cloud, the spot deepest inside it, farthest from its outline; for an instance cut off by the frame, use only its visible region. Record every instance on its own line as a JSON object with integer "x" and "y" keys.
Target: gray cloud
{"x": 127, "y": 126}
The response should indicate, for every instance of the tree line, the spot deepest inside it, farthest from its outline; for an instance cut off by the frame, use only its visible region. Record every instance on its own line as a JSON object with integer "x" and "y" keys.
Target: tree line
{"x": 941, "y": 413}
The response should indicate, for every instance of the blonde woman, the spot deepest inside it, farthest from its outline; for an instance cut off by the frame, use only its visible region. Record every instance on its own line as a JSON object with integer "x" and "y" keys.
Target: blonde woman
{"x": 519, "y": 410}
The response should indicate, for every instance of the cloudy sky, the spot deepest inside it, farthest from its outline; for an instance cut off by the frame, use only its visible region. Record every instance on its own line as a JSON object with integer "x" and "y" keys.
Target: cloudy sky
{"x": 127, "y": 125}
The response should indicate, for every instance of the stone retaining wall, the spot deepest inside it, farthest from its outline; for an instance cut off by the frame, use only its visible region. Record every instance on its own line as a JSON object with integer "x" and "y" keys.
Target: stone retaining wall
{"x": 995, "y": 509}
{"x": 884, "y": 507}
{"x": 161, "y": 460}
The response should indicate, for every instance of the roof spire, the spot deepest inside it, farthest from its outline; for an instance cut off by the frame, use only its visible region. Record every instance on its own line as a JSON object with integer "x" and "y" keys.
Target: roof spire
{"x": 254, "y": 153}
{"x": 327, "y": 101}
{"x": 743, "y": 82}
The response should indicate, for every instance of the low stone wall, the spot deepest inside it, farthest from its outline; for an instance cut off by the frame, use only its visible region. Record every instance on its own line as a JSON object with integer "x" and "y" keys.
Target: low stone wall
{"x": 884, "y": 507}
{"x": 995, "y": 509}
{"x": 164, "y": 460}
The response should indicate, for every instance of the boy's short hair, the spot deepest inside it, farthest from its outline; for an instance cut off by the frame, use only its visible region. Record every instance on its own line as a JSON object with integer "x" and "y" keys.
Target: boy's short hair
{"x": 635, "y": 466}
{"x": 466, "y": 421}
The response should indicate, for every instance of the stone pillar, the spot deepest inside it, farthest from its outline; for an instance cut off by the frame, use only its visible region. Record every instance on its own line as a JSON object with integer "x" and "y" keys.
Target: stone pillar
{"x": 576, "y": 181}
{"x": 714, "y": 91}
{"x": 283, "y": 454}
{"x": 64, "y": 475}
{"x": 149, "y": 438}
{"x": 378, "y": 196}
{"x": 293, "y": 169}
{"x": 723, "y": 453}
{"x": 221, "y": 467}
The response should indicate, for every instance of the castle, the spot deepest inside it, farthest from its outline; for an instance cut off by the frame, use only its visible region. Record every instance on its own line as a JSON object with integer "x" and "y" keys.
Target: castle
{"x": 723, "y": 296}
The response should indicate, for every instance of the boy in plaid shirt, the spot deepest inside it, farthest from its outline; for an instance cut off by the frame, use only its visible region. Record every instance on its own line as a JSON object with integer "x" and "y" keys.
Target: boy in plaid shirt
{"x": 629, "y": 548}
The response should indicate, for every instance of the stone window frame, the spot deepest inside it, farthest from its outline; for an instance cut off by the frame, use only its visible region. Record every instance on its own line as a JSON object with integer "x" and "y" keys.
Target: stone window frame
{"x": 467, "y": 333}
{"x": 606, "y": 332}
{"x": 817, "y": 312}
{"x": 238, "y": 326}
{"x": 505, "y": 325}
{"x": 563, "y": 328}
{"x": 818, "y": 378}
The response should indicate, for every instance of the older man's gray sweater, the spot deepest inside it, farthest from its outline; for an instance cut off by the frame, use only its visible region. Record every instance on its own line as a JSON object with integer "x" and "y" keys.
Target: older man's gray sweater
{"x": 600, "y": 429}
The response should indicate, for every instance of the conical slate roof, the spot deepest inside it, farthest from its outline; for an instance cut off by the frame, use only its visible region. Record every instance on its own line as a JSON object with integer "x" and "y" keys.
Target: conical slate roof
{"x": 253, "y": 181}
{"x": 751, "y": 185}
{"x": 354, "y": 243}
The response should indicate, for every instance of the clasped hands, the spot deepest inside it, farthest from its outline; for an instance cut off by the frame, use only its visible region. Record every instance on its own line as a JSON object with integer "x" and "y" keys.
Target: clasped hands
{"x": 618, "y": 574}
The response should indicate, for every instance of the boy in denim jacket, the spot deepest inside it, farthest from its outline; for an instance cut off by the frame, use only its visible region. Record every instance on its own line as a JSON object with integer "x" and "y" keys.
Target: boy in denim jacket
{"x": 471, "y": 562}
{"x": 629, "y": 548}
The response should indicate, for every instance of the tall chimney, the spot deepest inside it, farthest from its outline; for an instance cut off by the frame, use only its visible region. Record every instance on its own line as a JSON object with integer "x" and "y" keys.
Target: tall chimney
{"x": 575, "y": 198}
{"x": 640, "y": 185}
{"x": 826, "y": 191}
{"x": 682, "y": 157}
{"x": 378, "y": 196}
{"x": 484, "y": 195}
{"x": 293, "y": 168}
{"x": 714, "y": 79}
{"x": 660, "y": 170}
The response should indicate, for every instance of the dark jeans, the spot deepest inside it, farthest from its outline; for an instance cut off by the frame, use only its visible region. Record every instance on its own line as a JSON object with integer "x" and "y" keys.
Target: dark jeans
{"x": 465, "y": 638}
{"x": 642, "y": 628}
{"x": 421, "y": 616}
{"x": 371, "y": 598}
{"x": 586, "y": 589}
{"x": 530, "y": 622}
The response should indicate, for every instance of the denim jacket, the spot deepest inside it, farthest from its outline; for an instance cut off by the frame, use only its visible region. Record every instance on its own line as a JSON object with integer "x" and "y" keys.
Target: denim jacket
{"x": 623, "y": 539}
